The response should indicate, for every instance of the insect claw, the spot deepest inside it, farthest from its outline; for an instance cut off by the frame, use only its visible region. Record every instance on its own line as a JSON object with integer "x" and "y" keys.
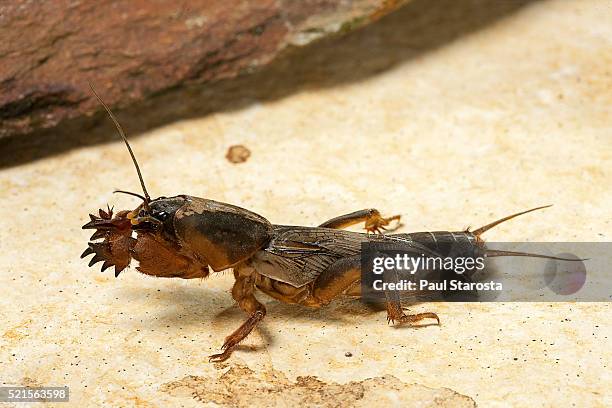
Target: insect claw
{"x": 118, "y": 270}
{"x": 106, "y": 215}
{"x": 91, "y": 224}
{"x": 105, "y": 266}
{"x": 95, "y": 259}
{"x": 87, "y": 252}
{"x": 98, "y": 234}
{"x": 217, "y": 358}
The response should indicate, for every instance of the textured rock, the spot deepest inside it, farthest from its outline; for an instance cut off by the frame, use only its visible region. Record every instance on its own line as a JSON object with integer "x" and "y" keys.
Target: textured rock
{"x": 239, "y": 386}
{"x": 130, "y": 50}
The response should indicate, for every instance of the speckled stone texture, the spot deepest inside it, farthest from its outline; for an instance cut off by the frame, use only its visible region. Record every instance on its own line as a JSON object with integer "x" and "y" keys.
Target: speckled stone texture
{"x": 448, "y": 115}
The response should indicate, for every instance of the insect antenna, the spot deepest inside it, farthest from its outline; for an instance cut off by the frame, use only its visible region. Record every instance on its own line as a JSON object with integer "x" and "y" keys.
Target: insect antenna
{"x": 130, "y": 193}
{"x": 487, "y": 227}
{"x": 146, "y": 197}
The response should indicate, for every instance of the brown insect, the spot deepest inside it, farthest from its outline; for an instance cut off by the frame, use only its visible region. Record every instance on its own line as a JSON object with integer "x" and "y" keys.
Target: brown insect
{"x": 188, "y": 237}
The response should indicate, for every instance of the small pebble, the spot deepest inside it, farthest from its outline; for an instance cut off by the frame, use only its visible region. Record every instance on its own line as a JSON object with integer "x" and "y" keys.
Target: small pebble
{"x": 348, "y": 354}
{"x": 237, "y": 154}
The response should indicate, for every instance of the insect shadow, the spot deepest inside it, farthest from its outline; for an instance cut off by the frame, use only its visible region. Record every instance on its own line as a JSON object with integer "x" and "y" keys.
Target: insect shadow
{"x": 188, "y": 306}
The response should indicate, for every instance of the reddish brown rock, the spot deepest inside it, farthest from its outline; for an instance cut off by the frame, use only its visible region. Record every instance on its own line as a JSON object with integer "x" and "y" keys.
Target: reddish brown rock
{"x": 131, "y": 50}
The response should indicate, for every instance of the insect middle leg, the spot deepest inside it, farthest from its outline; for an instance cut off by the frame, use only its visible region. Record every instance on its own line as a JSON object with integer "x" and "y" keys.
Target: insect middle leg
{"x": 242, "y": 292}
{"x": 374, "y": 222}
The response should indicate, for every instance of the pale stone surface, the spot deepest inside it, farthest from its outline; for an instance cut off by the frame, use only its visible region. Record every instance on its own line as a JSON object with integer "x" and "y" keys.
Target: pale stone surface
{"x": 511, "y": 116}
{"x": 240, "y": 386}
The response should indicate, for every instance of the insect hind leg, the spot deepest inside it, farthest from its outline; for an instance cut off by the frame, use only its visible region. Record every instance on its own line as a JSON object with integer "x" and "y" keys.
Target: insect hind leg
{"x": 374, "y": 222}
{"x": 395, "y": 311}
{"x": 336, "y": 279}
{"x": 343, "y": 275}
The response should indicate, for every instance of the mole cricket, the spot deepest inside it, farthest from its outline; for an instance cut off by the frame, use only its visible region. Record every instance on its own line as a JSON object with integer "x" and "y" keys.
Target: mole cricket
{"x": 190, "y": 237}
